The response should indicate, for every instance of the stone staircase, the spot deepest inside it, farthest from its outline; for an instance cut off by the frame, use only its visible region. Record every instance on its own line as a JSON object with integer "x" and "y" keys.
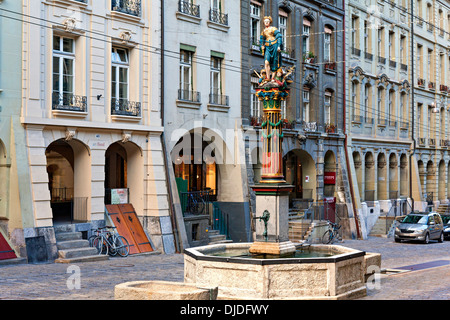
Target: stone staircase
{"x": 299, "y": 228}
{"x": 73, "y": 248}
{"x": 383, "y": 227}
{"x": 215, "y": 237}
{"x": 443, "y": 209}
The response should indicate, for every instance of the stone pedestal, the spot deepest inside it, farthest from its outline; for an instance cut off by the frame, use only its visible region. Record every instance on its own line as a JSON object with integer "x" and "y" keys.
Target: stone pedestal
{"x": 272, "y": 232}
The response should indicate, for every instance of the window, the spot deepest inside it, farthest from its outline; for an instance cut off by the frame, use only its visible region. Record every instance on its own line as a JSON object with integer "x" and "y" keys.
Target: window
{"x": 216, "y": 5}
{"x": 305, "y": 108}
{"x": 392, "y": 46}
{"x": 355, "y": 32}
{"x": 419, "y": 119}
{"x": 119, "y": 75}
{"x": 419, "y": 60}
{"x": 429, "y": 63}
{"x": 255, "y": 18}
{"x": 367, "y": 38}
{"x": 185, "y": 75}
{"x": 391, "y": 108}
{"x": 403, "y": 59}
{"x": 380, "y": 42}
{"x": 380, "y": 104}
{"x": 354, "y": 90}
{"x": 256, "y": 105}
{"x": 327, "y": 45}
{"x": 63, "y": 69}
{"x": 282, "y": 26}
{"x": 327, "y": 106}
{"x": 366, "y": 101}
{"x": 306, "y": 36}
{"x": 216, "y": 84}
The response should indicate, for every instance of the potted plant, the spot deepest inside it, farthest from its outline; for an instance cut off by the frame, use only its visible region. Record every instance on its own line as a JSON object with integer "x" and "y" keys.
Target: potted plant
{"x": 330, "y": 128}
{"x": 308, "y": 57}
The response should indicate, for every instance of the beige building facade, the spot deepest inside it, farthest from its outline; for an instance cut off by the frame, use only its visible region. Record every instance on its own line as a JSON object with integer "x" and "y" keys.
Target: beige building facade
{"x": 91, "y": 113}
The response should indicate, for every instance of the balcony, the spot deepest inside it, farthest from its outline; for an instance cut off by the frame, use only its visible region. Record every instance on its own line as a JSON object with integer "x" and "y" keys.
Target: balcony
{"x": 288, "y": 53}
{"x": 403, "y": 67}
{"x": 443, "y": 88}
{"x": 356, "y": 52}
{"x": 218, "y": 17}
{"x": 131, "y": 7}
{"x": 382, "y": 60}
{"x": 309, "y": 126}
{"x": 189, "y": 8}
{"x": 218, "y": 102}
{"x": 422, "y": 142}
{"x": 432, "y": 142}
{"x": 309, "y": 57}
{"x": 392, "y": 63}
{"x": 431, "y": 86}
{"x": 256, "y": 121}
{"x": 69, "y": 102}
{"x": 330, "y": 66}
{"x": 368, "y": 56}
{"x": 124, "y": 107}
{"x": 444, "y": 143}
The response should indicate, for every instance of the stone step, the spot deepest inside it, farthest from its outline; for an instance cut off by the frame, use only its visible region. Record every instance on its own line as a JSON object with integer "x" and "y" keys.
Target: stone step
{"x": 77, "y": 253}
{"x": 66, "y": 236}
{"x": 72, "y": 244}
{"x": 98, "y": 257}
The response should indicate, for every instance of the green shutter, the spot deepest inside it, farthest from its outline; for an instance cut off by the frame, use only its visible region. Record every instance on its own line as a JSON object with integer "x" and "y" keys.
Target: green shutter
{"x": 217, "y": 54}
{"x": 187, "y": 47}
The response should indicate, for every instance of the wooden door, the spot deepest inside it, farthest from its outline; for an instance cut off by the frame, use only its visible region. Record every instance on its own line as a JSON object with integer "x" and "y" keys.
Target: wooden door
{"x": 122, "y": 228}
{"x": 135, "y": 227}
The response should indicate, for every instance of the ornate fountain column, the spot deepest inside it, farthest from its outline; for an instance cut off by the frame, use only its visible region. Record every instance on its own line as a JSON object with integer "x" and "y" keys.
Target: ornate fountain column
{"x": 272, "y": 192}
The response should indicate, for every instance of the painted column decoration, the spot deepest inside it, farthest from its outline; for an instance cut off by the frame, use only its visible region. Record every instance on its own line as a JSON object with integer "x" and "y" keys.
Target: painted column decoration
{"x": 272, "y": 90}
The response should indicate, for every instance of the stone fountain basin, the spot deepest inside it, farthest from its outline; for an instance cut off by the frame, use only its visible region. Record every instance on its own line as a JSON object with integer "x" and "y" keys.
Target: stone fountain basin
{"x": 162, "y": 290}
{"x": 338, "y": 276}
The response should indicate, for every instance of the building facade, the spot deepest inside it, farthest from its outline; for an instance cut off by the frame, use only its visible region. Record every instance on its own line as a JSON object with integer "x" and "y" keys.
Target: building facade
{"x": 202, "y": 115}
{"x": 379, "y": 97}
{"x": 314, "y": 127}
{"x": 15, "y": 204}
{"x": 91, "y": 114}
{"x": 431, "y": 86}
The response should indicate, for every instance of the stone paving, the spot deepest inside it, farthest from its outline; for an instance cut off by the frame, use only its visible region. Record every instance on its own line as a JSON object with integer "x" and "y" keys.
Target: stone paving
{"x": 97, "y": 279}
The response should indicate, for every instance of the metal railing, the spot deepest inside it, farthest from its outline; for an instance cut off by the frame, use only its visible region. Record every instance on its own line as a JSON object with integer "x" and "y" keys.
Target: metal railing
{"x": 218, "y": 17}
{"x": 189, "y": 95}
{"x": 125, "y": 107}
{"x": 69, "y": 102}
{"x": 189, "y": 8}
{"x": 132, "y": 7}
{"x": 220, "y": 221}
{"x": 196, "y": 202}
{"x": 61, "y": 194}
{"x": 218, "y": 99}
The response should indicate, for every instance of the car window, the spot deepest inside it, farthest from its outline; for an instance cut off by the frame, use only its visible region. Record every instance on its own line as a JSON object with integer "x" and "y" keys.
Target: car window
{"x": 411, "y": 218}
{"x": 431, "y": 219}
{"x": 437, "y": 218}
{"x": 446, "y": 219}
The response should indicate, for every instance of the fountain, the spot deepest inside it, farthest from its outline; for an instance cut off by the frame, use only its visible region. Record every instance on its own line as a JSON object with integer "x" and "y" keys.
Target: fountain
{"x": 272, "y": 267}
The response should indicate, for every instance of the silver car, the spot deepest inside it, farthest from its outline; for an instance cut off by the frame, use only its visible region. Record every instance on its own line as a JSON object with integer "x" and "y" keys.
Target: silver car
{"x": 422, "y": 226}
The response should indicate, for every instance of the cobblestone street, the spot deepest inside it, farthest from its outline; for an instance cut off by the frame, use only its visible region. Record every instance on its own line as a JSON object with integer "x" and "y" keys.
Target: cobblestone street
{"x": 49, "y": 281}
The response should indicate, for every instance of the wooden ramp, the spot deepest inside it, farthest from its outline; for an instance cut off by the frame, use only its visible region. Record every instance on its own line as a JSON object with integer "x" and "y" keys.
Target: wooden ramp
{"x": 124, "y": 217}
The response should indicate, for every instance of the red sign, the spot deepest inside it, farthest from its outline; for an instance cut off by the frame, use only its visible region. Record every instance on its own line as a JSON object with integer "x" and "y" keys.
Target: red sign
{"x": 329, "y": 178}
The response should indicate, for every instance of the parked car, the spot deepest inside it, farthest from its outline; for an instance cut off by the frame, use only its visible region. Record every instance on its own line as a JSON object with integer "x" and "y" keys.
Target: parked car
{"x": 446, "y": 221}
{"x": 422, "y": 226}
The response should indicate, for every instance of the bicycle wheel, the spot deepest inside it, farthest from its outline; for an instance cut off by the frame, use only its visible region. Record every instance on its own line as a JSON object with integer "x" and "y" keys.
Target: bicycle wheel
{"x": 327, "y": 237}
{"x": 122, "y": 246}
{"x": 100, "y": 244}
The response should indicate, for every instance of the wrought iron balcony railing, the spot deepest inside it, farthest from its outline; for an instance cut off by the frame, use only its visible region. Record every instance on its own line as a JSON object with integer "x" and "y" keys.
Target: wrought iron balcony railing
{"x": 368, "y": 55}
{"x": 218, "y": 99}
{"x": 218, "y": 17}
{"x": 189, "y": 95}
{"x": 356, "y": 51}
{"x": 309, "y": 126}
{"x": 69, "y": 102}
{"x": 403, "y": 67}
{"x": 189, "y": 8}
{"x": 132, "y": 7}
{"x": 124, "y": 107}
{"x": 382, "y": 60}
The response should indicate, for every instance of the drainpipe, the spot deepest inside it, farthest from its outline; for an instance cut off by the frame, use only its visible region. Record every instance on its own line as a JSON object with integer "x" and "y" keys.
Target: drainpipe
{"x": 163, "y": 139}
{"x": 350, "y": 182}
{"x": 412, "y": 105}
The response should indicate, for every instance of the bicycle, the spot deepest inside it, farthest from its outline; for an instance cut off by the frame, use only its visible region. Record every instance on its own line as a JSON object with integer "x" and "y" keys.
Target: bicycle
{"x": 195, "y": 206}
{"x": 332, "y": 234}
{"x": 108, "y": 242}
